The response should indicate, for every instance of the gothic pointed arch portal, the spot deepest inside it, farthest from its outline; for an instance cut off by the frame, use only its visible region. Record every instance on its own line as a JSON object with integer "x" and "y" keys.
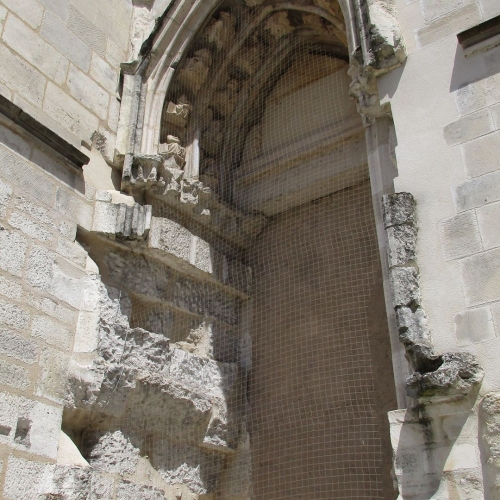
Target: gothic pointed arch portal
{"x": 247, "y": 143}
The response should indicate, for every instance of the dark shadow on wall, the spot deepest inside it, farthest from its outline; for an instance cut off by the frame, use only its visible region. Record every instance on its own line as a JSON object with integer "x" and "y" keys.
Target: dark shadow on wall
{"x": 467, "y": 70}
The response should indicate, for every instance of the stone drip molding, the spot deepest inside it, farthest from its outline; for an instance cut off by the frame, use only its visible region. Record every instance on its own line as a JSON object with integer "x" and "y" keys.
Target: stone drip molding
{"x": 436, "y": 377}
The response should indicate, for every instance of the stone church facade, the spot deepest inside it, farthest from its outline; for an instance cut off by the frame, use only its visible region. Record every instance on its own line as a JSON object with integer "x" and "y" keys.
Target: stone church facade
{"x": 250, "y": 249}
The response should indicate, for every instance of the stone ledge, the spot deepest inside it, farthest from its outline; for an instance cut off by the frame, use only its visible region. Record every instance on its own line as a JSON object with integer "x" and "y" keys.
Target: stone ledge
{"x": 46, "y": 135}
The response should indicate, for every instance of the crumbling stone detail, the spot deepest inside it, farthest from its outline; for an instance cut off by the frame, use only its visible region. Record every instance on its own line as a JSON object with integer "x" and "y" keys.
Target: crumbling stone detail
{"x": 489, "y": 428}
{"x": 436, "y": 376}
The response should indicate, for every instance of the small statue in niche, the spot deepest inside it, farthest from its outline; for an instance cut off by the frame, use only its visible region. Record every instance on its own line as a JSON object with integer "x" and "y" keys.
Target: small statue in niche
{"x": 177, "y": 114}
{"x": 173, "y": 153}
{"x": 220, "y": 32}
{"x": 195, "y": 70}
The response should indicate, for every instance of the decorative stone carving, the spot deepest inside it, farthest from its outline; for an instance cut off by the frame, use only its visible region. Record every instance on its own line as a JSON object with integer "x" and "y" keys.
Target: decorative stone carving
{"x": 436, "y": 377}
{"x": 195, "y": 70}
{"x": 225, "y": 99}
{"x": 248, "y": 61}
{"x": 220, "y": 32}
{"x": 279, "y": 25}
{"x": 173, "y": 152}
{"x": 177, "y": 114}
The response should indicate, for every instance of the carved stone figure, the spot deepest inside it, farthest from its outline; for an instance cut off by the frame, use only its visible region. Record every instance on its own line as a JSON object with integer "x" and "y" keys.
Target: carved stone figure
{"x": 221, "y": 31}
{"x": 177, "y": 114}
{"x": 173, "y": 152}
{"x": 279, "y": 25}
{"x": 195, "y": 71}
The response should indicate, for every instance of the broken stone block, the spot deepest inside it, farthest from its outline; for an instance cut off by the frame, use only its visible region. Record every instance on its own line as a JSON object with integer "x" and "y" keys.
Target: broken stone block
{"x": 412, "y": 325}
{"x": 402, "y": 241}
{"x": 405, "y": 286}
{"x": 397, "y": 209}
{"x": 456, "y": 375}
{"x": 111, "y": 452}
{"x": 489, "y": 428}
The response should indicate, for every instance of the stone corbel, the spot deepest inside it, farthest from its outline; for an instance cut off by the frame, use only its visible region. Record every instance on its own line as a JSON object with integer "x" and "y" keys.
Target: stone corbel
{"x": 436, "y": 377}
{"x": 381, "y": 50}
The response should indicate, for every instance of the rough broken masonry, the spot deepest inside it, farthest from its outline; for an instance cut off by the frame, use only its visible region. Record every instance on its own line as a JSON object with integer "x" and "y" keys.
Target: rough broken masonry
{"x": 249, "y": 249}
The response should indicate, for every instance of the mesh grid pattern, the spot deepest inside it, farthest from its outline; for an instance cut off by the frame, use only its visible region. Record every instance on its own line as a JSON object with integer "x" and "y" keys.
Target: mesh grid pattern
{"x": 250, "y": 362}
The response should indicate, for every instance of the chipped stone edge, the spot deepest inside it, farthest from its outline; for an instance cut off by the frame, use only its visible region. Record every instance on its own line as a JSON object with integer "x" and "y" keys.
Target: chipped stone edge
{"x": 436, "y": 377}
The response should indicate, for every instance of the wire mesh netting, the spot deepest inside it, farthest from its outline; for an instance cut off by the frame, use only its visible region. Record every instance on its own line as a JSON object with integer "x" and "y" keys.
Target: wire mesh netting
{"x": 251, "y": 358}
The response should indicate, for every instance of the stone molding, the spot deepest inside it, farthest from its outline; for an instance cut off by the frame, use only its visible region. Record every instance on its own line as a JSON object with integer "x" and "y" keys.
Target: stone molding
{"x": 42, "y": 132}
{"x": 436, "y": 377}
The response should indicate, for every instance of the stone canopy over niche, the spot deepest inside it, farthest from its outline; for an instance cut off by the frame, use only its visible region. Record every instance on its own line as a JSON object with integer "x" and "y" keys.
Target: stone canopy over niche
{"x": 244, "y": 109}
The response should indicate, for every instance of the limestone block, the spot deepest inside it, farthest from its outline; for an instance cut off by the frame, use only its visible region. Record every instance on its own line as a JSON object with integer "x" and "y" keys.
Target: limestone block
{"x": 468, "y": 127}
{"x": 74, "y": 207}
{"x": 405, "y": 287}
{"x": 114, "y": 54}
{"x": 474, "y": 325}
{"x": 131, "y": 491}
{"x": 478, "y": 94}
{"x": 203, "y": 254}
{"x": 21, "y": 77}
{"x": 105, "y": 215}
{"x": 10, "y": 288}
{"x": 12, "y": 252}
{"x": 433, "y": 9}
{"x": 489, "y": 429}
{"x": 170, "y": 237}
{"x": 67, "y": 283}
{"x": 103, "y": 73}
{"x": 72, "y": 251}
{"x": 460, "y": 235}
{"x": 53, "y": 308}
{"x": 51, "y": 332}
{"x": 15, "y": 346}
{"x": 75, "y": 483}
{"x": 481, "y": 277}
{"x": 402, "y": 241}
{"x": 398, "y": 208}
{"x": 24, "y": 478}
{"x": 35, "y": 424}
{"x": 30, "y": 177}
{"x": 113, "y": 114}
{"x": 13, "y": 315}
{"x": 5, "y": 195}
{"x": 87, "y": 92}
{"x": 479, "y": 155}
{"x": 184, "y": 464}
{"x": 37, "y": 212}
{"x": 87, "y": 328}
{"x": 58, "y": 7}
{"x": 490, "y": 8}
{"x": 135, "y": 347}
{"x": 35, "y": 50}
{"x": 450, "y": 24}
{"x": 112, "y": 452}
{"x": 412, "y": 325}
{"x": 87, "y": 31}
{"x": 69, "y": 113}
{"x": 488, "y": 217}
{"x": 53, "y": 375}
{"x": 477, "y": 192}
{"x": 65, "y": 41}
{"x": 462, "y": 456}
{"x": 13, "y": 375}
{"x": 29, "y": 10}
{"x": 29, "y": 227}
{"x": 133, "y": 222}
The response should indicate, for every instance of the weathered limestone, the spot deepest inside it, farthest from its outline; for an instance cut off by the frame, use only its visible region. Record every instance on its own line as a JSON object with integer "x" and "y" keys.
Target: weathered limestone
{"x": 436, "y": 376}
{"x": 489, "y": 419}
